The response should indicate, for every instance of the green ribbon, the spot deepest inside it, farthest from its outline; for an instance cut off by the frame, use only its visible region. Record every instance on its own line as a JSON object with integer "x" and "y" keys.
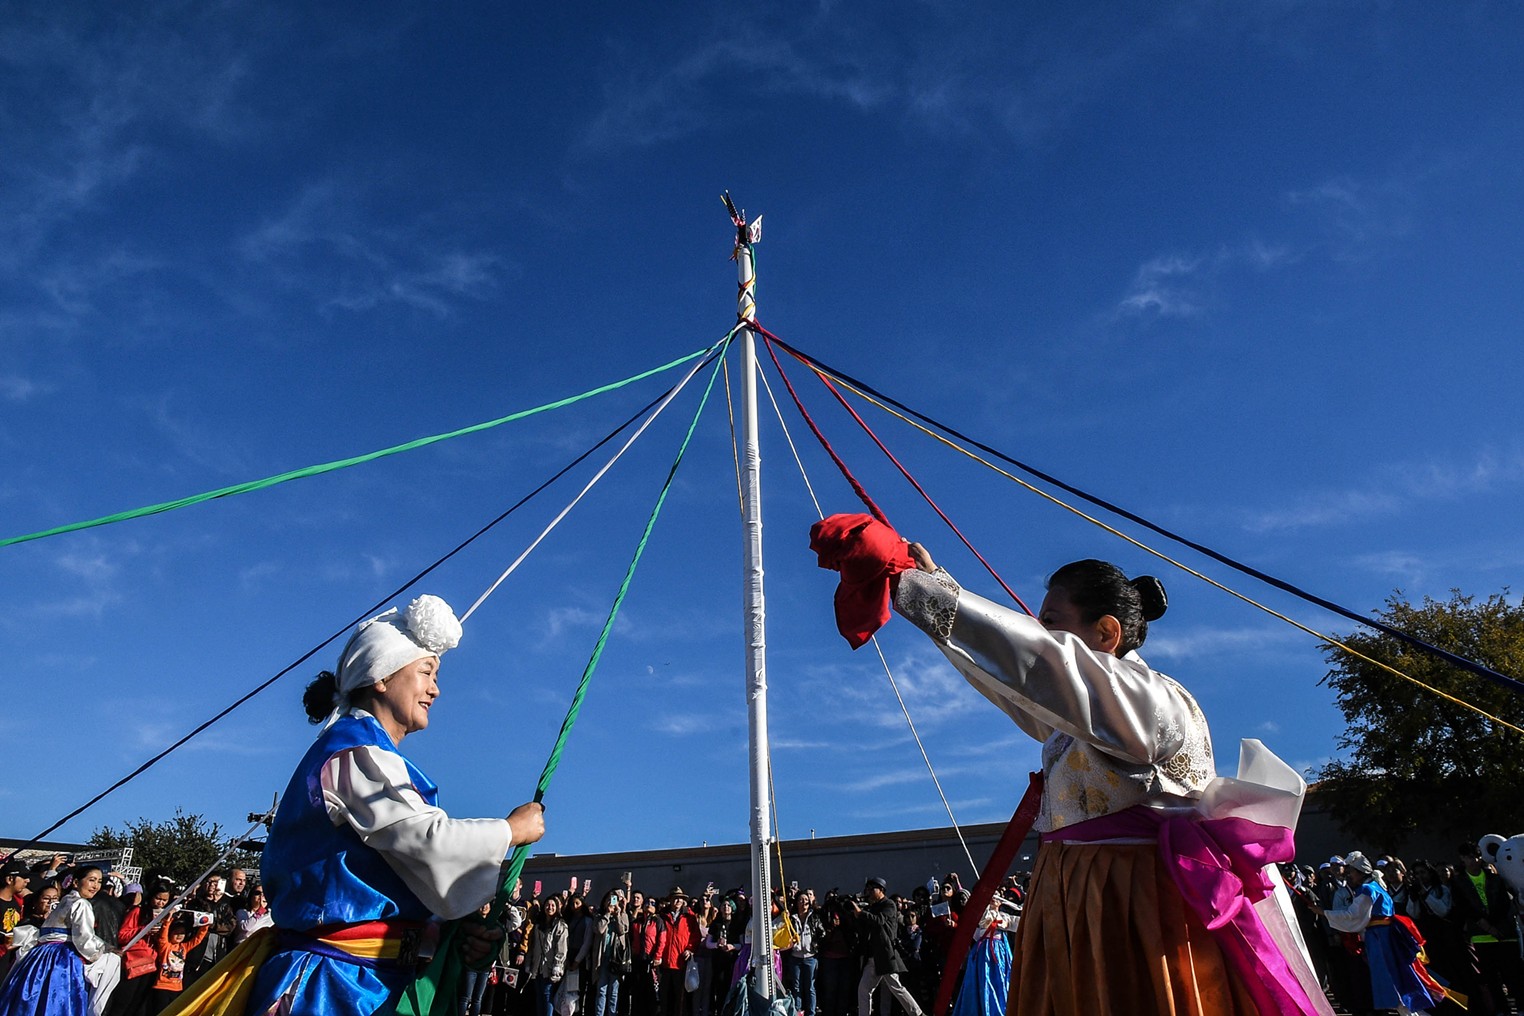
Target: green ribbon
{"x": 433, "y": 993}
{"x": 328, "y": 467}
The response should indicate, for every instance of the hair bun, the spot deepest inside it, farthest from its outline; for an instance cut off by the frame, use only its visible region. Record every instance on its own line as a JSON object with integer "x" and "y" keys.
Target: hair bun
{"x": 1151, "y": 593}
{"x": 318, "y": 698}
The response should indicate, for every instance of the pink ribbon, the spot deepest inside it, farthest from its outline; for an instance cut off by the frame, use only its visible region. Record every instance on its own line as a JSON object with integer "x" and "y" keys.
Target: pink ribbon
{"x": 1218, "y": 866}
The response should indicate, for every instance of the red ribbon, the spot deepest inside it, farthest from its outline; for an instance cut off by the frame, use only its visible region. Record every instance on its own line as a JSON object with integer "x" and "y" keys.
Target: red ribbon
{"x": 984, "y": 890}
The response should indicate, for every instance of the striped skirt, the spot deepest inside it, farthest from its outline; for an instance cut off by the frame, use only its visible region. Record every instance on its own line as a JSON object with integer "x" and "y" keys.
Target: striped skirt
{"x": 1105, "y": 931}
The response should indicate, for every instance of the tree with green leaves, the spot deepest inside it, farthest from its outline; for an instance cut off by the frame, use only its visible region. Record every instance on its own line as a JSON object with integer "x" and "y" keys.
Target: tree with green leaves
{"x": 181, "y": 848}
{"x": 1415, "y": 762}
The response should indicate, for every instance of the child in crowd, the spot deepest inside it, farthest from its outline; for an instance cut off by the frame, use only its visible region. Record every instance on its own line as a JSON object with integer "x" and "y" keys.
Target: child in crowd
{"x": 175, "y": 939}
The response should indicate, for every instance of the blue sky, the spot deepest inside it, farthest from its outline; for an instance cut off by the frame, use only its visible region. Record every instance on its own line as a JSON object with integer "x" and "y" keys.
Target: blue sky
{"x": 1250, "y": 270}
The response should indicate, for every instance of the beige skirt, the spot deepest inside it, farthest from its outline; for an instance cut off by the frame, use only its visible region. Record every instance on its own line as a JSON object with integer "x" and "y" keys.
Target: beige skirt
{"x": 1105, "y": 931}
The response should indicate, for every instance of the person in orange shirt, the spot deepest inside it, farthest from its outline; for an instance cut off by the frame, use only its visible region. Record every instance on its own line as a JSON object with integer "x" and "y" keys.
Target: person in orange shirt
{"x": 175, "y": 938}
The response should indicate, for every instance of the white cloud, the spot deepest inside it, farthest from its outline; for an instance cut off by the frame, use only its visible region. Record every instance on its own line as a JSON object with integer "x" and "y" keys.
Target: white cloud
{"x": 1404, "y": 567}
{"x": 111, "y": 98}
{"x": 14, "y": 388}
{"x": 889, "y": 778}
{"x": 933, "y": 807}
{"x": 689, "y": 724}
{"x": 254, "y": 575}
{"x": 193, "y": 440}
{"x": 1357, "y": 219}
{"x": 1198, "y": 642}
{"x": 1161, "y": 288}
{"x": 1391, "y": 488}
{"x": 318, "y": 245}
{"x": 666, "y": 100}
{"x": 92, "y": 567}
{"x": 562, "y": 619}
{"x": 803, "y": 744}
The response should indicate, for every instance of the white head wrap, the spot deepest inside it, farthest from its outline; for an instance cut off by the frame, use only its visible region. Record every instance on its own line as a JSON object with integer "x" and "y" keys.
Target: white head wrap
{"x": 1358, "y": 861}
{"x": 388, "y": 642}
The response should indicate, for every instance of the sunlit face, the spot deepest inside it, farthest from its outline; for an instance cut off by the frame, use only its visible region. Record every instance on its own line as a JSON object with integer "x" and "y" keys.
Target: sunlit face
{"x": 1058, "y": 613}
{"x": 90, "y": 884}
{"x": 401, "y": 703}
{"x": 160, "y": 901}
{"x": 237, "y": 879}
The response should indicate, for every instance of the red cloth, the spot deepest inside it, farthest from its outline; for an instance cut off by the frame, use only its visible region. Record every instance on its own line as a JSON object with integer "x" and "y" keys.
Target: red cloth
{"x": 868, "y": 554}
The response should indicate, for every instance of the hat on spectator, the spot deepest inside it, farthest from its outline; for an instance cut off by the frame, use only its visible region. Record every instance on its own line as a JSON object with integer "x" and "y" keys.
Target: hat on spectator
{"x": 388, "y": 642}
{"x": 677, "y": 893}
{"x": 133, "y": 887}
{"x": 1336, "y": 859}
{"x": 876, "y": 881}
{"x": 1358, "y": 861}
{"x": 14, "y": 868}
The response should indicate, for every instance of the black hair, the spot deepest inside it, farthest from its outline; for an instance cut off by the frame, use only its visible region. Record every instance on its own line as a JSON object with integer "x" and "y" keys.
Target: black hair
{"x": 1097, "y": 588}
{"x": 318, "y": 698}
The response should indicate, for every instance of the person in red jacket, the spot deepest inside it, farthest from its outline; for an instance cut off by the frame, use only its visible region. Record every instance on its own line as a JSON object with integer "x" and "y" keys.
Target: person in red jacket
{"x": 648, "y": 937}
{"x": 682, "y": 938}
{"x": 140, "y": 963}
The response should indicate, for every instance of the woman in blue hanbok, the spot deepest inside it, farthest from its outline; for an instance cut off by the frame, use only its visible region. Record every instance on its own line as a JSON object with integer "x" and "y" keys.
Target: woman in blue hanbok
{"x": 50, "y": 979}
{"x": 362, "y": 865}
{"x": 1398, "y": 980}
{"x": 987, "y": 977}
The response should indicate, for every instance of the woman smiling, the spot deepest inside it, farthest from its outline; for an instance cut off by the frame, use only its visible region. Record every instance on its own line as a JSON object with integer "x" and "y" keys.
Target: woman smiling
{"x": 361, "y": 862}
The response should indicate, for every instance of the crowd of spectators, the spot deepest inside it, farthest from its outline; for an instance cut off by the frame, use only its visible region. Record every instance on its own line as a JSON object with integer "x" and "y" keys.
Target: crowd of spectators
{"x": 180, "y": 946}
{"x": 631, "y": 952}
{"x": 1467, "y": 915}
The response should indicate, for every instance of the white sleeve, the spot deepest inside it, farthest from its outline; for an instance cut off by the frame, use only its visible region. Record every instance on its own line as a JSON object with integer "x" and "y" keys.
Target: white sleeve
{"x": 82, "y": 936}
{"x": 452, "y": 865}
{"x": 1354, "y": 919}
{"x": 1440, "y": 901}
{"x": 1048, "y": 681}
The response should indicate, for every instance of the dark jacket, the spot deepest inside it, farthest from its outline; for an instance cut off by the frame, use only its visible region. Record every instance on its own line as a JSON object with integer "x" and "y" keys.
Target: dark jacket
{"x": 1468, "y": 905}
{"x": 880, "y": 927}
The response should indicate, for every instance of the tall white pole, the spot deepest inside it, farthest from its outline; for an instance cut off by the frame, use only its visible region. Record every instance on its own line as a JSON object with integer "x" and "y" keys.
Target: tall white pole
{"x": 765, "y": 978}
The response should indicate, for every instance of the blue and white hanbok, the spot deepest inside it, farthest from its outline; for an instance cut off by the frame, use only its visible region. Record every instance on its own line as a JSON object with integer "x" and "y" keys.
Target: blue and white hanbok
{"x": 360, "y": 868}
{"x": 50, "y": 979}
